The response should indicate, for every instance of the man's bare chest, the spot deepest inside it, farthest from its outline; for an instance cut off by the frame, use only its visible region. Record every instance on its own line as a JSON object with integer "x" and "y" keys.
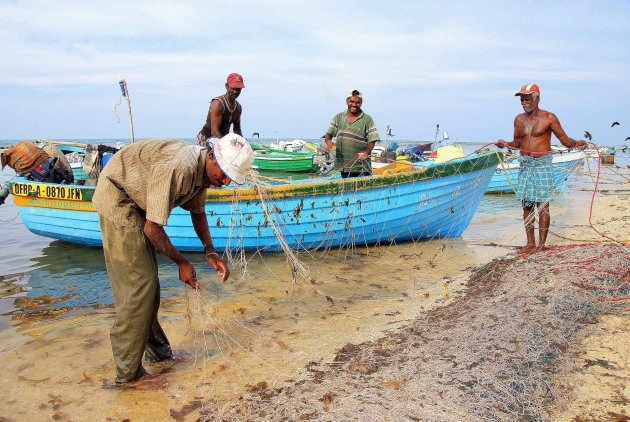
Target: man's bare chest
{"x": 532, "y": 127}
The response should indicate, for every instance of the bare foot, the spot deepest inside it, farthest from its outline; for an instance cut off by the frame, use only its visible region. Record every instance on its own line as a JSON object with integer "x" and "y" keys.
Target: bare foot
{"x": 543, "y": 248}
{"x": 146, "y": 382}
{"x": 527, "y": 249}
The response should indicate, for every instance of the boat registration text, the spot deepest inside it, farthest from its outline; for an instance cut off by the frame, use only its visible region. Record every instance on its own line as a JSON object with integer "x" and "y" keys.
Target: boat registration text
{"x": 47, "y": 191}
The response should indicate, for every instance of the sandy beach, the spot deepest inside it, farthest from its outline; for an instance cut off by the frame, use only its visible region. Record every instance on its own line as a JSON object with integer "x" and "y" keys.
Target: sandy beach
{"x": 455, "y": 329}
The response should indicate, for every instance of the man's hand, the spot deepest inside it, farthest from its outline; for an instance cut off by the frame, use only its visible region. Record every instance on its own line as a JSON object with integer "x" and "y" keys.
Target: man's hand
{"x": 329, "y": 143}
{"x": 188, "y": 275}
{"x": 363, "y": 155}
{"x": 200, "y": 224}
{"x": 501, "y": 143}
{"x": 579, "y": 145}
{"x": 219, "y": 266}
{"x": 162, "y": 243}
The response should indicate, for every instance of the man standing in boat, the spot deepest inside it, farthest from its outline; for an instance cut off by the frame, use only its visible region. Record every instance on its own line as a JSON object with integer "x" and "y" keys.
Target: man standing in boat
{"x": 532, "y": 136}
{"x": 134, "y": 197}
{"x": 356, "y": 136}
{"x": 224, "y": 112}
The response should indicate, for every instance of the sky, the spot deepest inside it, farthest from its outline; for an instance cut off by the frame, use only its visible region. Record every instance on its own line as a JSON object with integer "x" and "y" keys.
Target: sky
{"x": 418, "y": 63}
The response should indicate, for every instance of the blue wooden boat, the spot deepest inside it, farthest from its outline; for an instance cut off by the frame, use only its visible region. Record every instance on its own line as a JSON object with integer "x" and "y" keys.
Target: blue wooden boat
{"x": 505, "y": 178}
{"x": 432, "y": 200}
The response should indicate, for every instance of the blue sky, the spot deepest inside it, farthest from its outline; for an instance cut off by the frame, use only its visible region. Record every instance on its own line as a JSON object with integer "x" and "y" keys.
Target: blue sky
{"x": 419, "y": 63}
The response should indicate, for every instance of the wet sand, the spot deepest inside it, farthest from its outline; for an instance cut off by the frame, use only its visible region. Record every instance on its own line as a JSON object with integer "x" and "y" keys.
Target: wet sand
{"x": 259, "y": 334}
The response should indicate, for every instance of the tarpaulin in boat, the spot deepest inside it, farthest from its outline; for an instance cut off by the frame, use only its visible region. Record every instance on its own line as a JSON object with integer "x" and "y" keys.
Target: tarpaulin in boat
{"x": 46, "y": 164}
{"x": 23, "y": 157}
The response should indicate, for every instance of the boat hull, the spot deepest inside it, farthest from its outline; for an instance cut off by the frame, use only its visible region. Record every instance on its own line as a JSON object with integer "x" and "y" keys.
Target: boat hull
{"x": 505, "y": 178}
{"x": 434, "y": 201}
{"x": 283, "y": 164}
{"x": 268, "y": 159}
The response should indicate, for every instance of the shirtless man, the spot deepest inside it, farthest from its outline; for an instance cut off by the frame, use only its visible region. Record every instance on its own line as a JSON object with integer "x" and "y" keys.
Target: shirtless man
{"x": 532, "y": 136}
{"x": 224, "y": 112}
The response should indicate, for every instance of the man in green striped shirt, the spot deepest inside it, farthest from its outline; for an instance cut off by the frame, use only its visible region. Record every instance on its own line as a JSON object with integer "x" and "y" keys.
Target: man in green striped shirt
{"x": 356, "y": 136}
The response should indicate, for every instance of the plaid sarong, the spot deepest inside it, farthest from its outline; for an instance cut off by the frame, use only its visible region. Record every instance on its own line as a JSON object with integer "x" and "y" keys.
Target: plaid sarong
{"x": 535, "y": 180}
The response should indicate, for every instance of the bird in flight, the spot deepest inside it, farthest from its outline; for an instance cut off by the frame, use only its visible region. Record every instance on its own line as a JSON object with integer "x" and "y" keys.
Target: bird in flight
{"x": 588, "y": 136}
{"x": 389, "y": 131}
{"x": 615, "y": 124}
{"x": 256, "y": 134}
{"x": 628, "y": 138}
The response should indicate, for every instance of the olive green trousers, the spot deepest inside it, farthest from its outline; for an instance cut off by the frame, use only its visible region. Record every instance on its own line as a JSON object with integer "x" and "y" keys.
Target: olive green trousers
{"x": 133, "y": 276}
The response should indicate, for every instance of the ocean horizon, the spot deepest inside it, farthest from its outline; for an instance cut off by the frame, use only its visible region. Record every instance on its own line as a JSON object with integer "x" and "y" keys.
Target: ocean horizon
{"x": 268, "y": 141}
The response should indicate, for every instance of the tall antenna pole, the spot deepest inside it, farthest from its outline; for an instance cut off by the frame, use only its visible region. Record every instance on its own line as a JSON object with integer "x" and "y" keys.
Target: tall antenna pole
{"x": 125, "y": 94}
{"x": 434, "y": 144}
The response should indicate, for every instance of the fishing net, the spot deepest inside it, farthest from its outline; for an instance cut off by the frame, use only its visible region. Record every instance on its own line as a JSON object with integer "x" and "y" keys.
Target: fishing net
{"x": 502, "y": 352}
{"x": 219, "y": 330}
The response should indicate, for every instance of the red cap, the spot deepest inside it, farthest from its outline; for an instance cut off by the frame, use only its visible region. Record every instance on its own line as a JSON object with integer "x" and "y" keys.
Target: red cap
{"x": 234, "y": 80}
{"x": 528, "y": 89}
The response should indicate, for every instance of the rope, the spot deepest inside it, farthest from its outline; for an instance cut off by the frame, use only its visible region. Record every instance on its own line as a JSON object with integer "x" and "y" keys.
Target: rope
{"x": 590, "y": 211}
{"x": 588, "y": 264}
{"x": 2, "y": 184}
{"x": 12, "y": 219}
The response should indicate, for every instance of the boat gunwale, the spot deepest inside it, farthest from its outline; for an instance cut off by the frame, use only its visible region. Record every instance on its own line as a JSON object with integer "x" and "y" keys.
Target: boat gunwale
{"x": 272, "y": 158}
{"x": 263, "y": 149}
{"x": 323, "y": 186}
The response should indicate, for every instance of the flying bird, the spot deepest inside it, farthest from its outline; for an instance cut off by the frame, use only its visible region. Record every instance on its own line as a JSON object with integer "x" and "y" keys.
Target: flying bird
{"x": 389, "y": 131}
{"x": 615, "y": 124}
{"x": 588, "y": 136}
{"x": 628, "y": 138}
{"x": 256, "y": 134}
